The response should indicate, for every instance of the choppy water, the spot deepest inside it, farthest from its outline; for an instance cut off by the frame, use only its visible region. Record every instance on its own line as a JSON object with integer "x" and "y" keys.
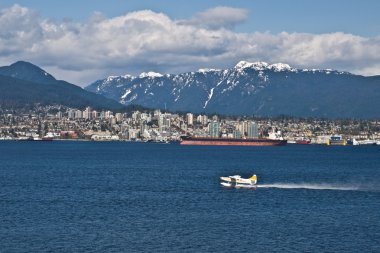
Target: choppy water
{"x": 135, "y": 197}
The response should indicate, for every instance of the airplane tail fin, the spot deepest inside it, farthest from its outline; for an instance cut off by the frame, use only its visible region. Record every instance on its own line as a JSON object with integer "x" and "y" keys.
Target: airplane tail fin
{"x": 254, "y": 178}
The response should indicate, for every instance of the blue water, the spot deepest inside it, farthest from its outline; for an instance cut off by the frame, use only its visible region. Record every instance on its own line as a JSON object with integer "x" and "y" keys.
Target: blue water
{"x": 136, "y": 197}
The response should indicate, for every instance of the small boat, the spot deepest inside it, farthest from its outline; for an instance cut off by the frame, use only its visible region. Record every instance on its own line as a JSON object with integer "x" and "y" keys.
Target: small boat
{"x": 237, "y": 181}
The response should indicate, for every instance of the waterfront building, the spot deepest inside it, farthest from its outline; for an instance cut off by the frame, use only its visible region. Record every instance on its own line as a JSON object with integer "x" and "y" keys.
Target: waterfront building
{"x": 199, "y": 118}
{"x": 143, "y": 126}
{"x": 236, "y": 134}
{"x": 102, "y": 115}
{"x": 87, "y": 114}
{"x": 203, "y": 119}
{"x": 59, "y": 115}
{"x": 112, "y": 120}
{"x": 133, "y": 134}
{"x": 136, "y": 115}
{"x": 323, "y": 139}
{"x": 78, "y": 114}
{"x": 214, "y": 129}
{"x": 95, "y": 114}
{"x": 243, "y": 127}
{"x": 156, "y": 114}
{"x": 146, "y": 117}
{"x": 252, "y": 130}
{"x": 189, "y": 119}
{"x": 160, "y": 121}
{"x": 119, "y": 117}
{"x": 71, "y": 114}
{"x": 166, "y": 124}
{"x": 108, "y": 114}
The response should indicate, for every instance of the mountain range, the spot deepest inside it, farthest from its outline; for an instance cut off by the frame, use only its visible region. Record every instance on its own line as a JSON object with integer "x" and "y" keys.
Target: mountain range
{"x": 23, "y": 83}
{"x": 256, "y": 88}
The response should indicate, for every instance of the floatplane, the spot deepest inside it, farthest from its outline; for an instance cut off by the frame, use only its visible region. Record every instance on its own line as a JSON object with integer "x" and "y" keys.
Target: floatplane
{"x": 237, "y": 181}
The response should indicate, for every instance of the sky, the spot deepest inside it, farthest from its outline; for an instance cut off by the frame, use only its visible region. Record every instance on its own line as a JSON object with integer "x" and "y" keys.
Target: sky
{"x": 82, "y": 41}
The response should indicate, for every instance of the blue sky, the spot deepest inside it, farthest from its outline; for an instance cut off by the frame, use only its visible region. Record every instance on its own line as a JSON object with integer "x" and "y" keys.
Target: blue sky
{"x": 322, "y": 16}
{"x": 84, "y": 40}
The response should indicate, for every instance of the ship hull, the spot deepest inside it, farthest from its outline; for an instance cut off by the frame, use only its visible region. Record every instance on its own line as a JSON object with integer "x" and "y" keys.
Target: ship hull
{"x": 303, "y": 142}
{"x": 232, "y": 142}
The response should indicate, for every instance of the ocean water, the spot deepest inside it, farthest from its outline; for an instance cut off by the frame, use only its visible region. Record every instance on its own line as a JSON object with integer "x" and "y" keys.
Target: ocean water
{"x": 143, "y": 197}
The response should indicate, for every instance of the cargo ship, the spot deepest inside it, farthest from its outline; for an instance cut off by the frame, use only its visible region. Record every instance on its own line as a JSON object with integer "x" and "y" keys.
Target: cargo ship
{"x": 186, "y": 140}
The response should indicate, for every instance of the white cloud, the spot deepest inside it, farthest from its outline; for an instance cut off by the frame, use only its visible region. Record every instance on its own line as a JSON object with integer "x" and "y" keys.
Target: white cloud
{"x": 146, "y": 40}
{"x": 371, "y": 70}
{"x": 219, "y": 17}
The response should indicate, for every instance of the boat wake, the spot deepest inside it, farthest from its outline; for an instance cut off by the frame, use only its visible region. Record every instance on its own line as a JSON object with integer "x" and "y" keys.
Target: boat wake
{"x": 310, "y": 186}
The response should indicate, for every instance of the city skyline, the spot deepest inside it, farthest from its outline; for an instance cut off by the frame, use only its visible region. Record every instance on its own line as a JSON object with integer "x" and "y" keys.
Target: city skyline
{"x": 60, "y": 122}
{"x": 83, "y": 42}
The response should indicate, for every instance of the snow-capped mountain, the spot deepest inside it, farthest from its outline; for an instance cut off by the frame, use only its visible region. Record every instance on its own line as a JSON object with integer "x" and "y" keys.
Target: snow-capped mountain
{"x": 250, "y": 88}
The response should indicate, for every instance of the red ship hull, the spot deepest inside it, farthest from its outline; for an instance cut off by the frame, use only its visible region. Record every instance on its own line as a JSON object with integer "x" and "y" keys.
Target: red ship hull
{"x": 232, "y": 142}
{"x": 303, "y": 142}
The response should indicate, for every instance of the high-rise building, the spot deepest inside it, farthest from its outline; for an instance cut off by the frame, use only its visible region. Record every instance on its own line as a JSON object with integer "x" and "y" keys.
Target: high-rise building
{"x": 199, "y": 118}
{"x": 156, "y": 114}
{"x": 87, "y": 114}
{"x": 205, "y": 120}
{"x": 243, "y": 127}
{"x": 189, "y": 118}
{"x": 102, "y": 115}
{"x": 160, "y": 122}
{"x": 236, "y": 134}
{"x": 78, "y": 114}
{"x": 145, "y": 116}
{"x": 108, "y": 114}
{"x": 112, "y": 120}
{"x": 252, "y": 130}
{"x": 214, "y": 129}
{"x": 95, "y": 114}
{"x": 71, "y": 114}
{"x": 59, "y": 115}
{"x": 119, "y": 117}
{"x": 136, "y": 115}
{"x": 166, "y": 123}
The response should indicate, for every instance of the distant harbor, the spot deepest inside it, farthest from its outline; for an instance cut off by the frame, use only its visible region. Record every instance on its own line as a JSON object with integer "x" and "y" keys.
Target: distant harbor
{"x": 47, "y": 123}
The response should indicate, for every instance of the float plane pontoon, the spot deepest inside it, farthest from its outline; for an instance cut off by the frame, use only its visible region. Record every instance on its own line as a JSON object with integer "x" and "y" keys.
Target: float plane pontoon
{"x": 239, "y": 182}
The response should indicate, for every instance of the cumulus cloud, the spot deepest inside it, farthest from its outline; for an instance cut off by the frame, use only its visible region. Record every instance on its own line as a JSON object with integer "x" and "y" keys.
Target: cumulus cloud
{"x": 219, "y": 17}
{"x": 145, "y": 40}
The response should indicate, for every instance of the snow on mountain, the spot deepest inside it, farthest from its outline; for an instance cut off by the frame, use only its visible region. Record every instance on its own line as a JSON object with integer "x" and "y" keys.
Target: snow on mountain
{"x": 209, "y": 97}
{"x": 150, "y": 74}
{"x": 247, "y": 88}
{"x": 127, "y": 92}
{"x": 255, "y": 65}
{"x": 277, "y": 67}
{"x": 280, "y": 67}
{"x": 206, "y": 70}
